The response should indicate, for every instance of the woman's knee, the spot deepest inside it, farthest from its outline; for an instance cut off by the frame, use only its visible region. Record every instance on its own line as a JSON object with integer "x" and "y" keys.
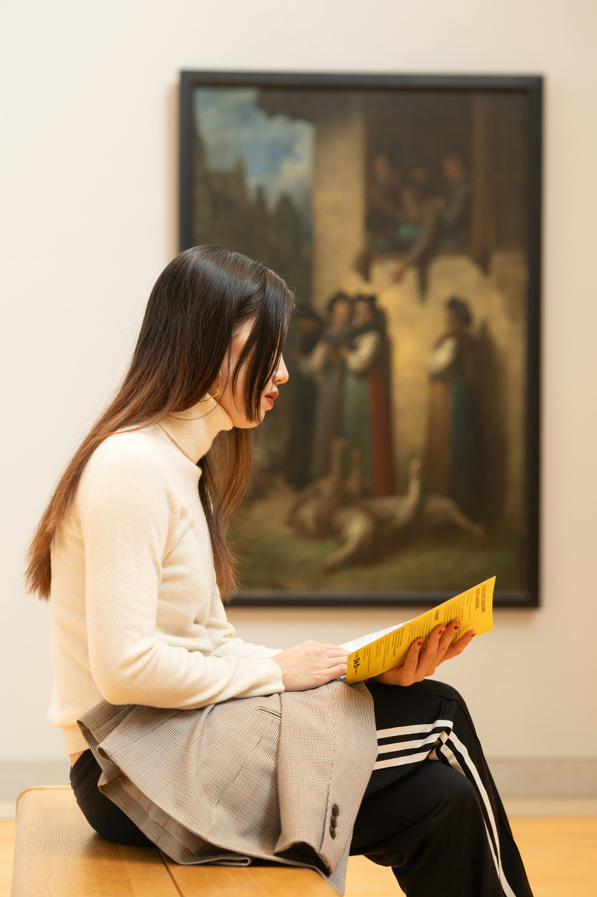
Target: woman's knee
{"x": 443, "y": 690}
{"x": 458, "y": 795}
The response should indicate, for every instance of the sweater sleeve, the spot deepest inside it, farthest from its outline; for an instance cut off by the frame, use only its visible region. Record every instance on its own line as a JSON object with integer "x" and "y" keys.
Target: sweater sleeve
{"x": 223, "y": 635}
{"x": 128, "y": 511}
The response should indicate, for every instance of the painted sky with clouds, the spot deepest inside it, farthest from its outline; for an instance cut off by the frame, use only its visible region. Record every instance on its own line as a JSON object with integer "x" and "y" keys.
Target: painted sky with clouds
{"x": 277, "y": 151}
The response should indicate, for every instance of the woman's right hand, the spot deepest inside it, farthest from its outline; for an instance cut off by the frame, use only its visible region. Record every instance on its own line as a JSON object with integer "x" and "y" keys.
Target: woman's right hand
{"x": 310, "y": 665}
{"x": 419, "y": 664}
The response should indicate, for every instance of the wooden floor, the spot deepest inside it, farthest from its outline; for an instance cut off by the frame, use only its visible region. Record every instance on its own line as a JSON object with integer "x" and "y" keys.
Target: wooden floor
{"x": 560, "y": 856}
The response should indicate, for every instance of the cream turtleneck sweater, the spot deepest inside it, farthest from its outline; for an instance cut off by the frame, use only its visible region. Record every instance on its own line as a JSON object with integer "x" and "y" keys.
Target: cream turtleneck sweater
{"x": 136, "y": 611}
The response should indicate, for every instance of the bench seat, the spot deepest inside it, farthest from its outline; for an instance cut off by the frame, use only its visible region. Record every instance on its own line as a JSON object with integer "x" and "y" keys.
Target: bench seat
{"x": 57, "y": 854}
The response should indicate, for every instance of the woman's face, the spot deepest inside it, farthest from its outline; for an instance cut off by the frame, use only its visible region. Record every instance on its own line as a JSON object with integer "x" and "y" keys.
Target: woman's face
{"x": 233, "y": 404}
{"x": 341, "y": 312}
{"x": 362, "y": 314}
{"x": 454, "y": 324}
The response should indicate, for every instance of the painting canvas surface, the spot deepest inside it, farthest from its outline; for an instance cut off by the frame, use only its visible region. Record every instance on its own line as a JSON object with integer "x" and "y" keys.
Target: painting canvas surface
{"x": 394, "y": 460}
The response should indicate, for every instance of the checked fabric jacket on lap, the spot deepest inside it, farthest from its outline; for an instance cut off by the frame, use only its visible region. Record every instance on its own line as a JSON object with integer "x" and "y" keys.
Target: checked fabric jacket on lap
{"x": 279, "y": 778}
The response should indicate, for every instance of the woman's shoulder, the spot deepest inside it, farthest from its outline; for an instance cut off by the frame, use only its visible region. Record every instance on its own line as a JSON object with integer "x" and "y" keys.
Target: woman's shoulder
{"x": 129, "y": 446}
{"x": 128, "y": 461}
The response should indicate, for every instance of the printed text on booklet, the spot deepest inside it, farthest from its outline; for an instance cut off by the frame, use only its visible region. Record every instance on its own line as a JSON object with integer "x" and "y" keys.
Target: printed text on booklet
{"x": 378, "y": 652}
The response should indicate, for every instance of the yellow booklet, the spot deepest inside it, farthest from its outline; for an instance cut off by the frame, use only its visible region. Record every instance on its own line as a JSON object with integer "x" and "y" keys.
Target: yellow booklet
{"x": 380, "y": 651}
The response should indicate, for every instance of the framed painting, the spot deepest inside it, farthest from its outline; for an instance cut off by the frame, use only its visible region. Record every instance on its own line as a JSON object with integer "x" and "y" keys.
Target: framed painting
{"x": 401, "y": 463}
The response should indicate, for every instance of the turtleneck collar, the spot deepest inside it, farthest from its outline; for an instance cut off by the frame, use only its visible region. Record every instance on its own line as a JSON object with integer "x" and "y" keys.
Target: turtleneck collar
{"x": 194, "y": 430}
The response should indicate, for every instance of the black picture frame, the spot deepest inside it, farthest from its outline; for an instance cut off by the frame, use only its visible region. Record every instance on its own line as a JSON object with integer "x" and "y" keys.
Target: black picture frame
{"x": 532, "y": 86}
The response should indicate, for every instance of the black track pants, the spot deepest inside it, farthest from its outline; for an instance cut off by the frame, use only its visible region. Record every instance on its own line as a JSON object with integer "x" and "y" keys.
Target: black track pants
{"x": 102, "y": 815}
{"x": 431, "y": 810}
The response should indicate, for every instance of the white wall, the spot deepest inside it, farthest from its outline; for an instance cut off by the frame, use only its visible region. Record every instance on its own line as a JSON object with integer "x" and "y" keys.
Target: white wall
{"x": 88, "y": 174}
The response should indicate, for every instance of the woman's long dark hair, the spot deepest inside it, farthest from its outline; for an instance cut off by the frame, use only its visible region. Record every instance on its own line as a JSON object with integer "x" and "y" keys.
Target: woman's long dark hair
{"x": 198, "y": 304}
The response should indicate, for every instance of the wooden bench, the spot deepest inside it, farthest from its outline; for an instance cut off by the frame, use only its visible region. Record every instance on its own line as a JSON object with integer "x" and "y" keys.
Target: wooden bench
{"x": 57, "y": 854}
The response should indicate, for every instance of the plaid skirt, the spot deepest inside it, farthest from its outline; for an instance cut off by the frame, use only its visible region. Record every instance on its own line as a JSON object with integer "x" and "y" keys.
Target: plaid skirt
{"x": 277, "y": 778}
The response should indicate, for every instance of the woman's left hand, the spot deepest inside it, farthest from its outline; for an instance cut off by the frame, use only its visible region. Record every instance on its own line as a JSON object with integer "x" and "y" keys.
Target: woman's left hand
{"x": 419, "y": 664}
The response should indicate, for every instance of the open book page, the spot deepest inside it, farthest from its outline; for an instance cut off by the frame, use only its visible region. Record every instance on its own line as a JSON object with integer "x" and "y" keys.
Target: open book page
{"x": 367, "y": 639}
{"x": 380, "y": 651}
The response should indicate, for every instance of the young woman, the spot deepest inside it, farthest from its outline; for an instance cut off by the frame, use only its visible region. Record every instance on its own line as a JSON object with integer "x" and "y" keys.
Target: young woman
{"x": 182, "y": 734}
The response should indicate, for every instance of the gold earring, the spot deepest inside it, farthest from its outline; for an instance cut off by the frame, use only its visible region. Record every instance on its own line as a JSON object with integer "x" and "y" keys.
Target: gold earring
{"x": 215, "y": 393}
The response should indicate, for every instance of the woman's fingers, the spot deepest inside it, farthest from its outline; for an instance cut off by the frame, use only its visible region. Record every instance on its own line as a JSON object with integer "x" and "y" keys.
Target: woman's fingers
{"x": 329, "y": 655}
{"x": 330, "y": 673}
{"x": 427, "y": 660}
{"x": 334, "y": 661}
{"x": 310, "y": 664}
{"x": 459, "y": 646}
{"x": 408, "y": 671}
{"x": 338, "y": 670}
{"x": 333, "y": 650}
{"x": 419, "y": 664}
{"x": 446, "y": 639}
